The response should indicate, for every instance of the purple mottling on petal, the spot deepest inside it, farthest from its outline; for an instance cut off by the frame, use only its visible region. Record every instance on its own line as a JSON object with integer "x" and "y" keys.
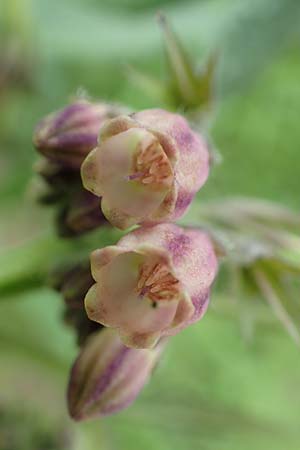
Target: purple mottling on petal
{"x": 179, "y": 246}
{"x": 183, "y": 201}
{"x": 200, "y": 303}
{"x": 184, "y": 139}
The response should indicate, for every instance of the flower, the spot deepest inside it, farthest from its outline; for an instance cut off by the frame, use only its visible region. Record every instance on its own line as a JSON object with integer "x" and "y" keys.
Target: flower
{"x": 107, "y": 376}
{"x": 68, "y": 135}
{"x": 153, "y": 283}
{"x": 147, "y": 167}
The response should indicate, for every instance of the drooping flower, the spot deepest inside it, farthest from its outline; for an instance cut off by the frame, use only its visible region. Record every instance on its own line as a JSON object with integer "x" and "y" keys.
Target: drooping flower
{"x": 107, "y": 376}
{"x": 153, "y": 283}
{"x": 147, "y": 167}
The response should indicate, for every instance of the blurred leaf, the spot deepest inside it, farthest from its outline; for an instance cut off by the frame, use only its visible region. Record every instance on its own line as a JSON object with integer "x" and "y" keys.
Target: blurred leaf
{"x": 260, "y": 31}
{"x": 150, "y": 86}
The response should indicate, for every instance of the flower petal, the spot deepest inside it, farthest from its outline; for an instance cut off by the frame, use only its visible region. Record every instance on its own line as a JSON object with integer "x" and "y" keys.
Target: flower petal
{"x": 103, "y": 256}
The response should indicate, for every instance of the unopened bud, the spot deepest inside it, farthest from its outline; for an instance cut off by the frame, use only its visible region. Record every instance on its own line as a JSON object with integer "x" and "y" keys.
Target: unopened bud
{"x": 68, "y": 135}
{"x": 107, "y": 376}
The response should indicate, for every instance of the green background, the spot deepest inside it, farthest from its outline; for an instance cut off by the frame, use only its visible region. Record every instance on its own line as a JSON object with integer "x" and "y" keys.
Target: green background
{"x": 229, "y": 382}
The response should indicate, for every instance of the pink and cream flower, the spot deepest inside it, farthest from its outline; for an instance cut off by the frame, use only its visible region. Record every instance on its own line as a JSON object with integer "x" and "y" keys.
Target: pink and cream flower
{"x": 153, "y": 283}
{"x": 147, "y": 167}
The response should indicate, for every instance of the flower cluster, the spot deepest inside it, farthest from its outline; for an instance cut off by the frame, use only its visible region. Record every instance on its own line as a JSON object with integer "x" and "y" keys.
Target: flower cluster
{"x": 140, "y": 171}
{"x": 143, "y": 169}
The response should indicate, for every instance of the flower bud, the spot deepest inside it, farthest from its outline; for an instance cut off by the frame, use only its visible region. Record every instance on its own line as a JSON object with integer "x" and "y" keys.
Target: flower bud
{"x": 147, "y": 168}
{"x": 68, "y": 135}
{"x": 107, "y": 376}
{"x": 79, "y": 214}
{"x": 153, "y": 283}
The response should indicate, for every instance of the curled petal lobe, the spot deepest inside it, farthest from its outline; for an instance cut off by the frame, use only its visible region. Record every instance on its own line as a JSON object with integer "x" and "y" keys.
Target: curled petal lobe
{"x": 103, "y": 256}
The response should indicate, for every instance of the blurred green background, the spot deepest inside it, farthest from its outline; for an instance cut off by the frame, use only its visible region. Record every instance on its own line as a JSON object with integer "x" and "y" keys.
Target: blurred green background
{"x": 230, "y": 382}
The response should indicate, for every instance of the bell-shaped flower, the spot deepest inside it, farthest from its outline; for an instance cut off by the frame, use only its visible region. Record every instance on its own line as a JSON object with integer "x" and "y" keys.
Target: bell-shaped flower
{"x": 147, "y": 167}
{"x": 153, "y": 283}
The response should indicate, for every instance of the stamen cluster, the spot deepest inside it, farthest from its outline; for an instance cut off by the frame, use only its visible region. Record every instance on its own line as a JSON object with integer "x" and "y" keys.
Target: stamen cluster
{"x": 157, "y": 283}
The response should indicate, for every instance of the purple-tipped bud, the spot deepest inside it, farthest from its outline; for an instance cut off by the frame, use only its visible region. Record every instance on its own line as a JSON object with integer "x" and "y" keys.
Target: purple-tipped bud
{"x": 68, "y": 135}
{"x": 107, "y": 376}
{"x": 147, "y": 168}
{"x": 153, "y": 283}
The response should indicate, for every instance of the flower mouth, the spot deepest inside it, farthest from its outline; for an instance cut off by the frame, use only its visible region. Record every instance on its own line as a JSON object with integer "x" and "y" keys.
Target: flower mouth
{"x": 132, "y": 174}
{"x": 152, "y": 167}
{"x": 157, "y": 283}
{"x": 137, "y": 293}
